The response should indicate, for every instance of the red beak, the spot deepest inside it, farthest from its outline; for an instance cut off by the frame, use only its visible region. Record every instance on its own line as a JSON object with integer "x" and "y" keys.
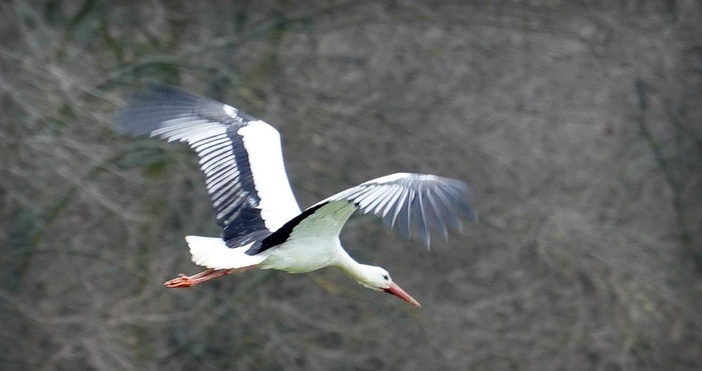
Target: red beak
{"x": 400, "y": 293}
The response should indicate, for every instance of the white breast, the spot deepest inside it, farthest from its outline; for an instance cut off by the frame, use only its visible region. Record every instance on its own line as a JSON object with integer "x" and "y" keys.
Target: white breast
{"x": 303, "y": 255}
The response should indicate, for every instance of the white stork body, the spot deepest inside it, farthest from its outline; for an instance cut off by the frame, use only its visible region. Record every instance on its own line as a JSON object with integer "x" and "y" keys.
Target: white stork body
{"x": 263, "y": 227}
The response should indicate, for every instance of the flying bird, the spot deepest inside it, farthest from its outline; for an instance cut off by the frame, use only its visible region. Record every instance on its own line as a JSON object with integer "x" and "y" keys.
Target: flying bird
{"x": 262, "y": 224}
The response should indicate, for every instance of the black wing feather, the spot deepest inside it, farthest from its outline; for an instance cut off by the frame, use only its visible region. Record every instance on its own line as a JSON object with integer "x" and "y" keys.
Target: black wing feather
{"x": 176, "y": 115}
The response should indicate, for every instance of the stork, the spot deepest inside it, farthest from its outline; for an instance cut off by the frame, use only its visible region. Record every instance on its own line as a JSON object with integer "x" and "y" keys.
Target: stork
{"x": 262, "y": 224}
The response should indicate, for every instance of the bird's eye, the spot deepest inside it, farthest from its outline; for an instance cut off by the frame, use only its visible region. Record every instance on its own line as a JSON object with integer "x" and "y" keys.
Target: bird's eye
{"x": 386, "y": 277}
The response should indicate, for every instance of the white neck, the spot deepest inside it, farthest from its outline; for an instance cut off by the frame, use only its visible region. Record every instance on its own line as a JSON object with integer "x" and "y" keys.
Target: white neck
{"x": 351, "y": 267}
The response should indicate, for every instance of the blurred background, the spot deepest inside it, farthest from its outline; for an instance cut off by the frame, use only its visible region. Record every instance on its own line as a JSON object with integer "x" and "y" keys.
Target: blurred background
{"x": 576, "y": 123}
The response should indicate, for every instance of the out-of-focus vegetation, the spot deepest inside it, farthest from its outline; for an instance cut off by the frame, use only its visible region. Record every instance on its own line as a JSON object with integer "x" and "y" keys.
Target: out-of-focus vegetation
{"x": 576, "y": 123}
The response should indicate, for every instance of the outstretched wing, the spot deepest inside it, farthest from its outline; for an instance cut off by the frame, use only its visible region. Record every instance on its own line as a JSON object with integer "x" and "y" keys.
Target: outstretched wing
{"x": 240, "y": 156}
{"x": 416, "y": 203}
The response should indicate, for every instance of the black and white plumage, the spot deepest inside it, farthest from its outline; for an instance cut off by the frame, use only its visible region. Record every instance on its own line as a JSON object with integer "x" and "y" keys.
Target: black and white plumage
{"x": 263, "y": 226}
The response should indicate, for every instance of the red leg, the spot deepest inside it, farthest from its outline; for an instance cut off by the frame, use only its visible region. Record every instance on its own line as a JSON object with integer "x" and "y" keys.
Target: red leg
{"x": 206, "y": 275}
{"x": 187, "y": 281}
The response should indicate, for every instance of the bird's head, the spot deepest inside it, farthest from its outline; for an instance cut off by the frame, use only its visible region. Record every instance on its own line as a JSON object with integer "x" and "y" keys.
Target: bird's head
{"x": 377, "y": 278}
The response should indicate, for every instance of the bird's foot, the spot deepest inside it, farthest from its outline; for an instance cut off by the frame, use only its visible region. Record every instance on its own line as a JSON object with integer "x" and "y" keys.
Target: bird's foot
{"x": 187, "y": 281}
{"x": 180, "y": 282}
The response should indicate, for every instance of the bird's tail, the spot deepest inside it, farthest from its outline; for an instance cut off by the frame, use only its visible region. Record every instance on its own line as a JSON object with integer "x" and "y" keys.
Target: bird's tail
{"x": 212, "y": 252}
